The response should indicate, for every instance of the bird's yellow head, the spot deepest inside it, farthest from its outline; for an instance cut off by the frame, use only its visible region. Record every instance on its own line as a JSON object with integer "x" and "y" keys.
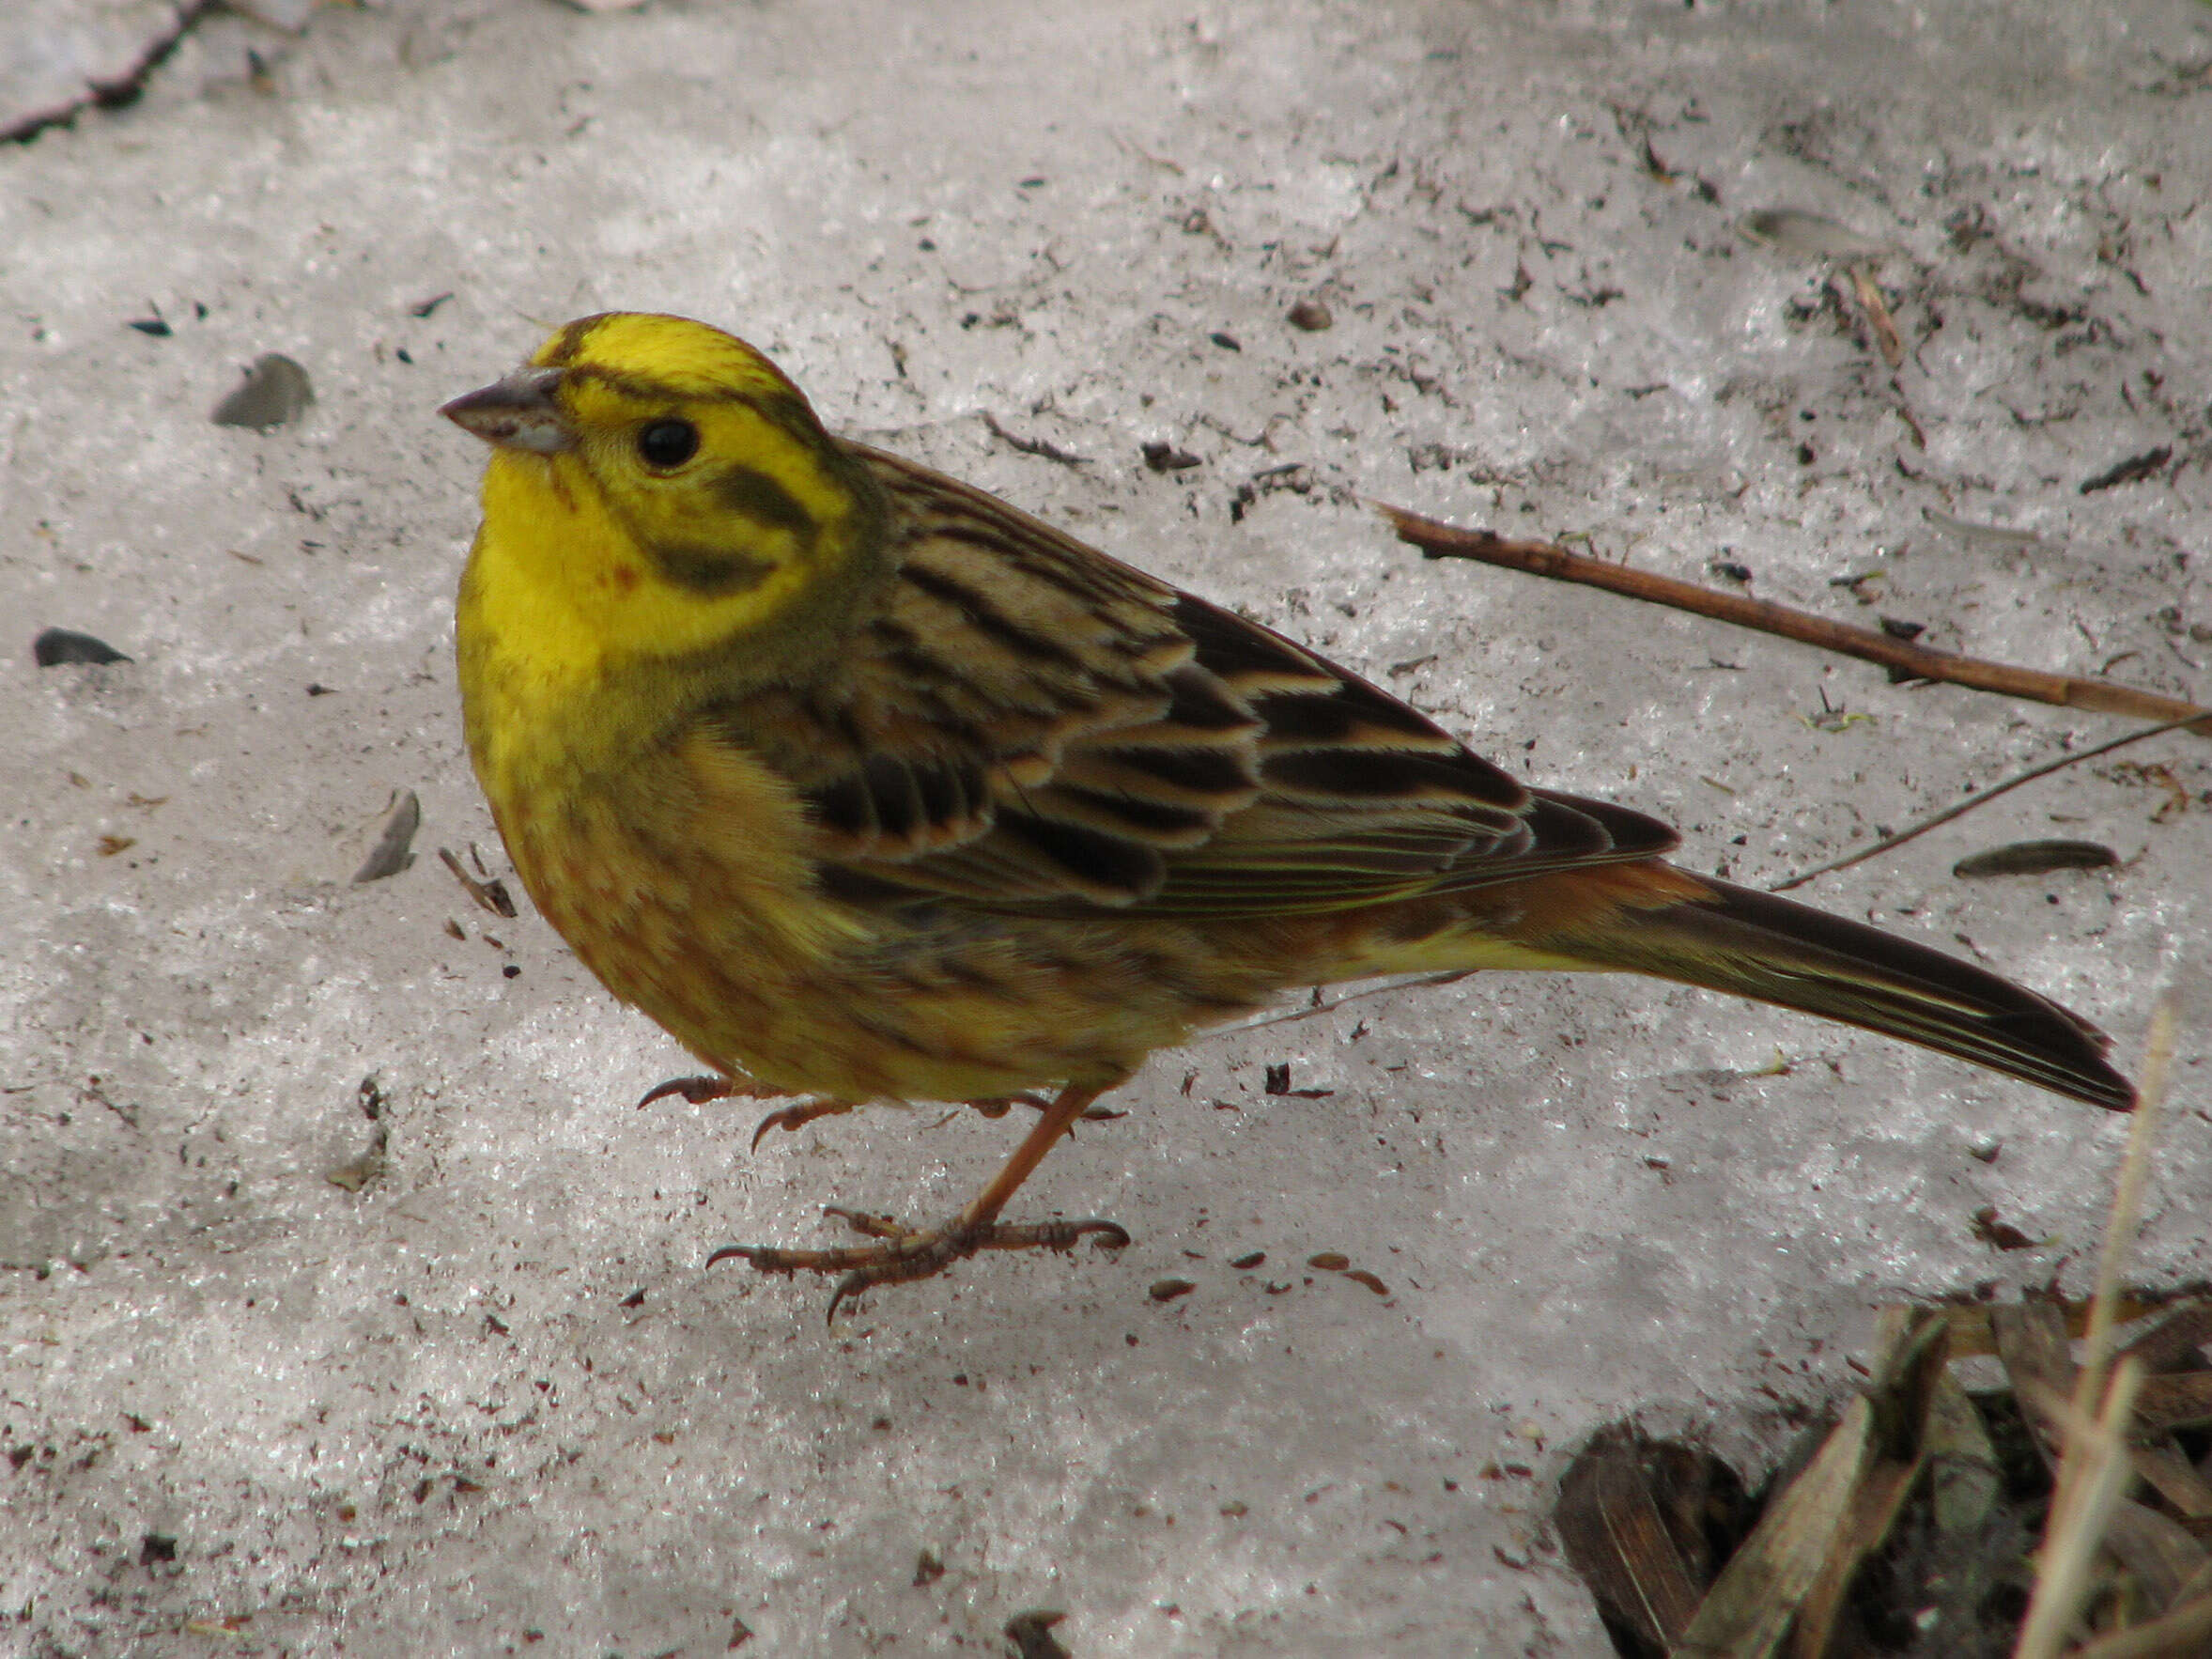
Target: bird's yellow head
{"x": 659, "y": 488}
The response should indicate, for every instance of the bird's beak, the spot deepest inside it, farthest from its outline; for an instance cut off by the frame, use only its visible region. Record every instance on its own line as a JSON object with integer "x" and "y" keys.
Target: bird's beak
{"x": 518, "y": 412}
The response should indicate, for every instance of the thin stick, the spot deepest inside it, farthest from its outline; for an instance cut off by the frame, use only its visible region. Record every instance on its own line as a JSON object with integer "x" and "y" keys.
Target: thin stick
{"x": 2090, "y": 1481}
{"x": 2093, "y": 1474}
{"x": 1438, "y": 540}
{"x": 2126, "y": 1206}
{"x": 1972, "y": 801}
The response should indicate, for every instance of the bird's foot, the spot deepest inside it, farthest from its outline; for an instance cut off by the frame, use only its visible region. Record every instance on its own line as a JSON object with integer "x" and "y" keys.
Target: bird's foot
{"x": 907, "y": 1253}
{"x": 699, "y": 1091}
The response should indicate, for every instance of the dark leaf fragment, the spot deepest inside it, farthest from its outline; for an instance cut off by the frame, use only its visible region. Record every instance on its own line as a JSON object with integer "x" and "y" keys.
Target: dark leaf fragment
{"x": 2133, "y": 470}
{"x": 2001, "y": 1235}
{"x": 2035, "y": 858}
{"x": 55, "y": 646}
{"x": 1646, "y": 1522}
{"x": 1031, "y": 1635}
{"x": 491, "y": 895}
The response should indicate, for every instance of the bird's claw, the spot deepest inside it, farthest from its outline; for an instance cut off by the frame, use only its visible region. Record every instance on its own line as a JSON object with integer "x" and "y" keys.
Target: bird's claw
{"x": 701, "y": 1090}
{"x": 907, "y": 1253}
{"x": 698, "y": 1091}
{"x": 796, "y": 1116}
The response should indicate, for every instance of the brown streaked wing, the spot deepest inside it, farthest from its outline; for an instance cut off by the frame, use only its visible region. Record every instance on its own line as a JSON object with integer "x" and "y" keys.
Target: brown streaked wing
{"x": 1367, "y": 800}
{"x": 1020, "y": 722}
{"x": 1030, "y": 724}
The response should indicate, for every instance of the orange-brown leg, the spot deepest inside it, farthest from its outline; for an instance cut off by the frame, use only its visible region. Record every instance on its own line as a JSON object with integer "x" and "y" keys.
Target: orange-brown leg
{"x": 909, "y": 1253}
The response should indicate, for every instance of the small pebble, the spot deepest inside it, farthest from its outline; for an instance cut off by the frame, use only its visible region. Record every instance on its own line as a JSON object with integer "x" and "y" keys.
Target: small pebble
{"x": 390, "y": 855}
{"x": 275, "y": 393}
{"x": 356, "y": 1173}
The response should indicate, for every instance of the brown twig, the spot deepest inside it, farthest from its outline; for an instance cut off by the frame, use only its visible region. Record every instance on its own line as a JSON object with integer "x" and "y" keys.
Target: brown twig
{"x": 1878, "y": 314}
{"x": 1980, "y": 798}
{"x": 1438, "y": 540}
{"x": 1036, "y": 446}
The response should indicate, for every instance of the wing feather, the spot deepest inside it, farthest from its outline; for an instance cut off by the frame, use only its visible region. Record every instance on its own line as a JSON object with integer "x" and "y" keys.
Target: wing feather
{"x": 1029, "y": 724}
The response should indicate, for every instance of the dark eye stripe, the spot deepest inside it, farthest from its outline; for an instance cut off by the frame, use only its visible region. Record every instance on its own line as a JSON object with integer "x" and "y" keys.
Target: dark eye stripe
{"x": 712, "y": 571}
{"x": 760, "y": 498}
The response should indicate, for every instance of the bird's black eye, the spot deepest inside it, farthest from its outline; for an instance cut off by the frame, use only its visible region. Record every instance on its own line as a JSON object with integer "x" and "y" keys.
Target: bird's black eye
{"x": 668, "y": 443}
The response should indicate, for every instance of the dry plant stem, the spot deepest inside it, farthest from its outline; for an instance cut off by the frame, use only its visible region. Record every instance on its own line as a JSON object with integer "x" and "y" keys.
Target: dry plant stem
{"x": 1888, "y": 842}
{"x": 2126, "y": 1203}
{"x": 2183, "y": 1632}
{"x": 1879, "y": 321}
{"x": 1438, "y": 540}
{"x": 2091, "y": 1479}
{"x": 2097, "y": 1467}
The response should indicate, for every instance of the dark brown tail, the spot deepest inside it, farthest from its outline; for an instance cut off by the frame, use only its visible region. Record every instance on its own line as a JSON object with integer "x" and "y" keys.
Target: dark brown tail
{"x": 1754, "y": 945}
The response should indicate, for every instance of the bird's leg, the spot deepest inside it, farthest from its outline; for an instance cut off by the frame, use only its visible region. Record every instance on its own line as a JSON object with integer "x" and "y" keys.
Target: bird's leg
{"x": 904, "y": 1254}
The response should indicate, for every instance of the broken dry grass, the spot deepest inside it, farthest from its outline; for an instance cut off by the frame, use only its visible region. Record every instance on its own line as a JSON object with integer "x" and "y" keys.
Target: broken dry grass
{"x": 1911, "y": 1527}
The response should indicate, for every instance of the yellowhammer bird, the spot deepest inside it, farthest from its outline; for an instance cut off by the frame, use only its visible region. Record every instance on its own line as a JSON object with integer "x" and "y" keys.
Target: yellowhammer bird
{"x": 867, "y": 786}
